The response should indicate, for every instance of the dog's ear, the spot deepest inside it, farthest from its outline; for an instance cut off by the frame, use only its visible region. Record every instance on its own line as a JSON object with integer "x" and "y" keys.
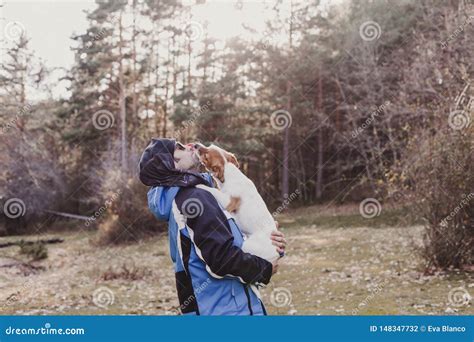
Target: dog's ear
{"x": 201, "y": 148}
{"x": 231, "y": 159}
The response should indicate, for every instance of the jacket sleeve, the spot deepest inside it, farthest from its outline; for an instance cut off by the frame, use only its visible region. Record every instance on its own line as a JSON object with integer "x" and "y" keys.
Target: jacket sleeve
{"x": 212, "y": 237}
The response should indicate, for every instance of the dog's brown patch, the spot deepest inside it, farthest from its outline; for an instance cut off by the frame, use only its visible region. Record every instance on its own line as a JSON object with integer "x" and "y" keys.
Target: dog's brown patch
{"x": 234, "y": 204}
{"x": 214, "y": 161}
{"x": 214, "y": 158}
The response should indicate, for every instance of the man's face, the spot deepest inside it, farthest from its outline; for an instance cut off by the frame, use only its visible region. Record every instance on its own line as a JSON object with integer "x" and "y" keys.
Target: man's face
{"x": 185, "y": 157}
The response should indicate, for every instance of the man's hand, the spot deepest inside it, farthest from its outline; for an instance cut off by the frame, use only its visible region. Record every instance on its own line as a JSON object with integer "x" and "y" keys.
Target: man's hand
{"x": 278, "y": 240}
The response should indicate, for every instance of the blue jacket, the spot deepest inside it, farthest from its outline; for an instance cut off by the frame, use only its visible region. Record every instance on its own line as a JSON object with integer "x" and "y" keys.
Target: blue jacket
{"x": 213, "y": 274}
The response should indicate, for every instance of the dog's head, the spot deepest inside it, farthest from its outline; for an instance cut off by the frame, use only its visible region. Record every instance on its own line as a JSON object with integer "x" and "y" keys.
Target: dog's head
{"x": 214, "y": 159}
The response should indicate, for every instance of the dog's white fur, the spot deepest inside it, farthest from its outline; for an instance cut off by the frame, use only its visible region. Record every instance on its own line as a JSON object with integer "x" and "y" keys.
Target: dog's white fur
{"x": 252, "y": 217}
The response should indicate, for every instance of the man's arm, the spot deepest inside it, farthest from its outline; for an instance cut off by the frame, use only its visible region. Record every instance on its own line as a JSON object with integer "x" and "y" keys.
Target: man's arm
{"x": 213, "y": 239}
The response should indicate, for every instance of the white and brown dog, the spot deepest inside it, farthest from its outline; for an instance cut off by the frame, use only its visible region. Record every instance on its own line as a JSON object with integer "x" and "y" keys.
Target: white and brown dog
{"x": 239, "y": 196}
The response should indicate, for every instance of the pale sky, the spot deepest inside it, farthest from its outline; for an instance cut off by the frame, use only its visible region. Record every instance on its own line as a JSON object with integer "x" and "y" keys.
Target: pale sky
{"x": 50, "y": 23}
{"x": 49, "y": 26}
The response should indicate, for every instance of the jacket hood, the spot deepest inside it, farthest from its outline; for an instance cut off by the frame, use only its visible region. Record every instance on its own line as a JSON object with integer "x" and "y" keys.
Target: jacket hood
{"x": 160, "y": 198}
{"x": 156, "y": 167}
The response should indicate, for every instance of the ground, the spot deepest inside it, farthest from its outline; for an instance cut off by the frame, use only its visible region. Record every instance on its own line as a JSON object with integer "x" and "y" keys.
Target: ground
{"x": 337, "y": 263}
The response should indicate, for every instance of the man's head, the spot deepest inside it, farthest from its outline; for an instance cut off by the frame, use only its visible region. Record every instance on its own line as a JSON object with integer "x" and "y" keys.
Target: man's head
{"x": 186, "y": 157}
{"x": 166, "y": 162}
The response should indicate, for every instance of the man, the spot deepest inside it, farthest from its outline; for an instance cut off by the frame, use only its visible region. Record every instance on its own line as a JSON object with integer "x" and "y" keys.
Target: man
{"x": 213, "y": 274}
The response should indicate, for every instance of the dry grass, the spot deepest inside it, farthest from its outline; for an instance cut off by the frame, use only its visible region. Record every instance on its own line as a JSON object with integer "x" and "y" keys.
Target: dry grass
{"x": 326, "y": 271}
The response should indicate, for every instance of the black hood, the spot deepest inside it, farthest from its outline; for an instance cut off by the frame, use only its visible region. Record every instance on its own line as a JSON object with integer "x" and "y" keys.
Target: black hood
{"x": 157, "y": 166}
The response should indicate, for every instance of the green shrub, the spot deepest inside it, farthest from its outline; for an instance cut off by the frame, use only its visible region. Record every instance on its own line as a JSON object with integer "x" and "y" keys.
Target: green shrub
{"x": 35, "y": 251}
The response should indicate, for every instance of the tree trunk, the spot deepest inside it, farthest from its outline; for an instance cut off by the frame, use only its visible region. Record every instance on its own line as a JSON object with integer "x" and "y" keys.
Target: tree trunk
{"x": 286, "y": 132}
{"x": 319, "y": 177}
{"x": 134, "y": 68}
{"x": 122, "y": 104}
{"x": 285, "y": 174}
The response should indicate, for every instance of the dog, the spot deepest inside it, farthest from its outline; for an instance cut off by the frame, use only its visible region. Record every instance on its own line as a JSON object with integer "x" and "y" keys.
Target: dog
{"x": 239, "y": 196}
